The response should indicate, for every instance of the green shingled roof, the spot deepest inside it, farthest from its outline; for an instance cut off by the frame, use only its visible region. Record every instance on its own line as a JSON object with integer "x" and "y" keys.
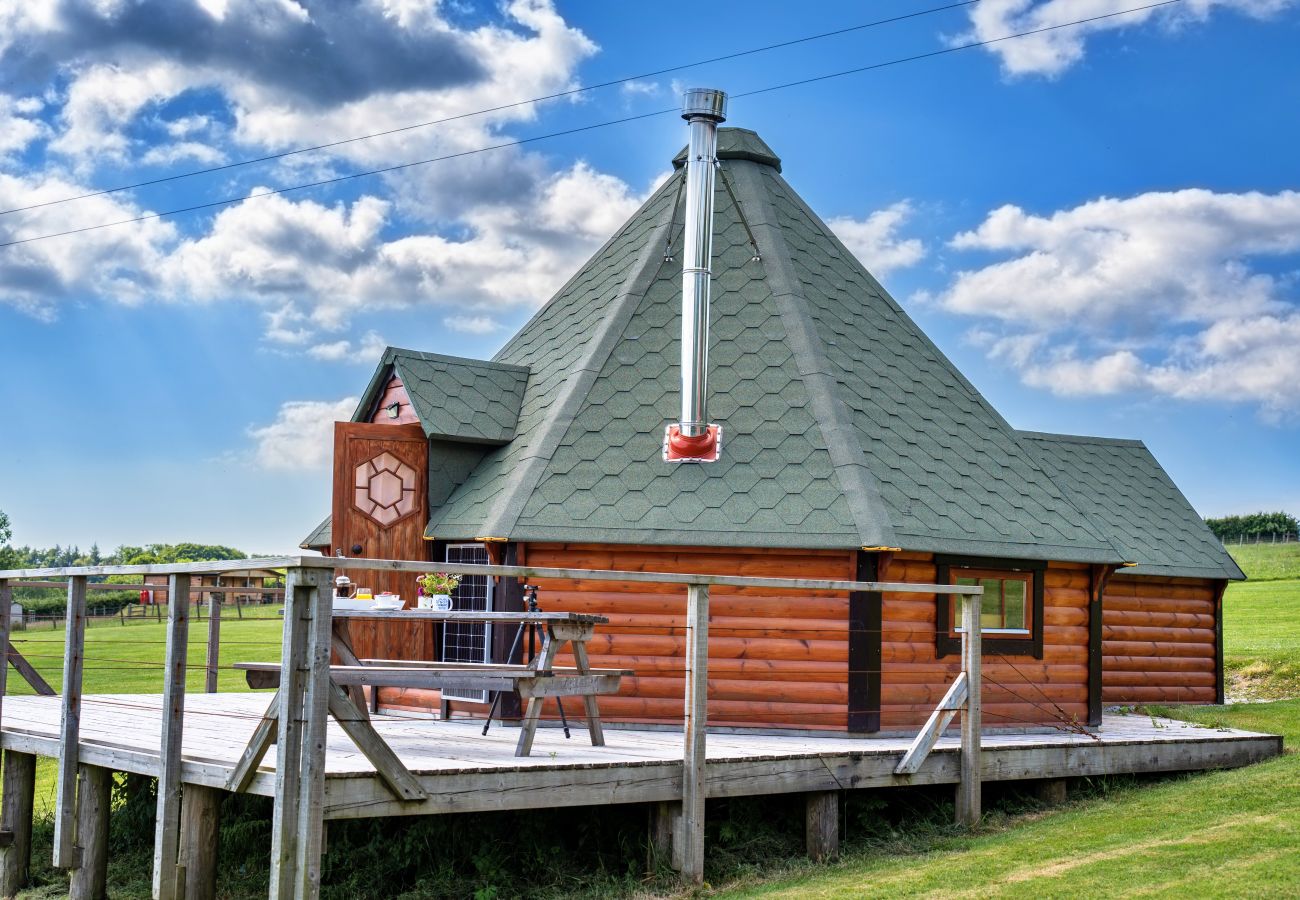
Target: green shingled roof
{"x": 843, "y": 425}
{"x": 1122, "y": 487}
{"x": 456, "y": 399}
{"x": 321, "y": 536}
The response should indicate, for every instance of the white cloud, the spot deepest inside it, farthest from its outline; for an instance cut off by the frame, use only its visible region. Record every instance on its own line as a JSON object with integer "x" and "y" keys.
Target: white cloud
{"x": 169, "y": 154}
{"x": 18, "y": 128}
{"x": 1188, "y": 294}
{"x": 316, "y": 266}
{"x": 472, "y": 324}
{"x": 302, "y": 436}
{"x": 472, "y": 236}
{"x": 1055, "y": 51}
{"x": 367, "y": 351}
{"x": 636, "y": 88}
{"x": 875, "y": 242}
{"x": 115, "y": 264}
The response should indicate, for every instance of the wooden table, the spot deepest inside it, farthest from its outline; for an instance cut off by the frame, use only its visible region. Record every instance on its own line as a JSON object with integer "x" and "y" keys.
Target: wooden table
{"x": 534, "y": 681}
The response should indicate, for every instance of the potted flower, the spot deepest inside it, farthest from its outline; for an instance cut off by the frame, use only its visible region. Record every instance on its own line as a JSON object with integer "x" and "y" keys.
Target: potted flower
{"x": 436, "y": 589}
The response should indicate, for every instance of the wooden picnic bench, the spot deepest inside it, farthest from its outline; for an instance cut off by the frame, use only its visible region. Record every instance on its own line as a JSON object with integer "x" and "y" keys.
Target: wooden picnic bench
{"x": 533, "y": 681}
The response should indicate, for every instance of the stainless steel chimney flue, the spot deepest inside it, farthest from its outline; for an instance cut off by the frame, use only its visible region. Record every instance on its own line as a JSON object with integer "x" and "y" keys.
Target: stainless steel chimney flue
{"x": 693, "y": 439}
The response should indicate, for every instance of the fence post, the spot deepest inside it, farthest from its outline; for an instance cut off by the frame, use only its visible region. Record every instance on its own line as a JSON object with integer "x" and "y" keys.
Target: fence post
{"x": 968, "y": 791}
{"x": 66, "y": 852}
{"x": 167, "y": 828}
{"x": 694, "y": 785}
{"x": 213, "y": 657}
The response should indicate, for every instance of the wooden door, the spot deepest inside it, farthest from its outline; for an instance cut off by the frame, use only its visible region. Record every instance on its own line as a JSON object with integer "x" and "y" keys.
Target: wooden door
{"x": 381, "y": 500}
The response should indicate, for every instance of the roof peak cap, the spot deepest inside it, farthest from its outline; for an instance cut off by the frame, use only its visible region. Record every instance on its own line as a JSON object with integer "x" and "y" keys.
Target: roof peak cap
{"x": 739, "y": 143}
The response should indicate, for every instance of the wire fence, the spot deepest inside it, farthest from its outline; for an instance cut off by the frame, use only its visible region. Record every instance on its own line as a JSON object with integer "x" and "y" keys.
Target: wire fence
{"x": 1272, "y": 537}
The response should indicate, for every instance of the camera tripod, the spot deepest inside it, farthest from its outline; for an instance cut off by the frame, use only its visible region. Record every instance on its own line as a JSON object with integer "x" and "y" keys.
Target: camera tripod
{"x": 530, "y": 604}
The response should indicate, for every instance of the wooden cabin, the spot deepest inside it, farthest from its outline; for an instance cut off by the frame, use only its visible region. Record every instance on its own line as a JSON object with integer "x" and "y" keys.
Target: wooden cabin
{"x": 851, "y": 448}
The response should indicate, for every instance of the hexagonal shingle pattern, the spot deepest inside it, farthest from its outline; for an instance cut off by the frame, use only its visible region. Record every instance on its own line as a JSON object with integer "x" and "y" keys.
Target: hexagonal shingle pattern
{"x": 918, "y": 448}
{"x": 1122, "y": 486}
{"x": 461, "y": 399}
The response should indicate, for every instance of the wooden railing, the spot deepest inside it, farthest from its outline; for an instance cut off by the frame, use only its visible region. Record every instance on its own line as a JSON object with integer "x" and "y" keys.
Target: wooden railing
{"x": 304, "y": 699}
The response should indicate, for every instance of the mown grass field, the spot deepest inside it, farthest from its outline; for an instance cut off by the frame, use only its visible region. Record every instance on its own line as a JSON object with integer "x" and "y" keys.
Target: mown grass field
{"x": 1268, "y": 562}
{"x": 1261, "y": 640}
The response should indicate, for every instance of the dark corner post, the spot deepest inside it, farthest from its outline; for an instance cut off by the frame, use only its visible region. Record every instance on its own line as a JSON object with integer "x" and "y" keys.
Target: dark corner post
{"x": 865, "y": 625}
{"x": 1220, "y": 588}
{"x": 66, "y": 853}
{"x": 1100, "y": 575}
{"x": 168, "y": 823}
{"x": 509, "y": 598}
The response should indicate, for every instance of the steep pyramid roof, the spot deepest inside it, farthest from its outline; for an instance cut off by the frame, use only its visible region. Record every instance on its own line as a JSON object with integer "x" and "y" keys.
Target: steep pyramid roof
{"x": 843, "y": 425}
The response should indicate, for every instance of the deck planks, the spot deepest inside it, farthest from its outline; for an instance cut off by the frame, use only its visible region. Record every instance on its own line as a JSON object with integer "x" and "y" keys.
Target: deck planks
{"x": 463, "y": 770}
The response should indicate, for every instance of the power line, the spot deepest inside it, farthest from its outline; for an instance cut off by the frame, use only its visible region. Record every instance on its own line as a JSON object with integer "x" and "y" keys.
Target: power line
{"x": 481, "y": 112}
{"x": 568, "y": 131}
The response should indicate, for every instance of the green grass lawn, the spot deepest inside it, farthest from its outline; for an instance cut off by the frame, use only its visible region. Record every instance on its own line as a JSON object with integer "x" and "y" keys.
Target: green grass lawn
{"x": 1268, "y": 562}
{"x": 1223, "y": 834}
{"x": 1261, "y": 639}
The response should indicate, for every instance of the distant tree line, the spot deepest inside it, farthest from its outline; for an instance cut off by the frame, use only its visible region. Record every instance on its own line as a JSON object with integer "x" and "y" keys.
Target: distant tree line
{"x": 52, "y": 600}
{"x": 1261, "y": 523}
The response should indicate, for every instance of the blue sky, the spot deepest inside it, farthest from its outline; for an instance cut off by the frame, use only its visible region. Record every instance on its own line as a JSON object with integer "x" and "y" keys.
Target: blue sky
{"x": 1100, "y": 225}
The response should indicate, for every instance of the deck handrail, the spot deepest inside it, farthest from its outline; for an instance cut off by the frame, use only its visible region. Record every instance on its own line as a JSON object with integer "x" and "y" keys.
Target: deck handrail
{"x": 531, "y": 572}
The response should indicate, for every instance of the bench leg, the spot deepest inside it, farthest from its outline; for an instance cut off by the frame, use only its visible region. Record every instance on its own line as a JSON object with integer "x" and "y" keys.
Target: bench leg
{"x": 589, "y": 700}
{"x": 545, "y": 663}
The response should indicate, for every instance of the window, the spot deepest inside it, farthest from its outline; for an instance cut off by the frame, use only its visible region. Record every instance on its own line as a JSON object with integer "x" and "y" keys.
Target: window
{"x": 1006, "y": 607}
{"x": 1011, "y": 611}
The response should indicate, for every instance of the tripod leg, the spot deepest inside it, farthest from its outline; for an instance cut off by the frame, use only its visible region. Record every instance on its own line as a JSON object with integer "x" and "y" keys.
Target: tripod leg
{"x": 564, "y": 720}
{"x": 496, "y": 697}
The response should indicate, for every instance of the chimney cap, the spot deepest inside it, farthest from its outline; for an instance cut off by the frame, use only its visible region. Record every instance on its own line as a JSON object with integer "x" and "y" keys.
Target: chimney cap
{"x": 706, "y": 103}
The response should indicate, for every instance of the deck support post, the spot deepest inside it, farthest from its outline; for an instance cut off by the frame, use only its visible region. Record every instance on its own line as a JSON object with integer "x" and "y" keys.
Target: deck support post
{"x": 200, "y": 827}
{"x": 167, "y": 828}
{"x": 694, "y": 780}
{"x": 822, "y": 825}
{"x": 297, "y": 823}
{"x": 969, "y": 788}
{"x": 1051, "y": 791}
{"x": 213, "y": 657}
{"x": 16, "y": 821}
{"x": 66, "y": 853}
{"x": 665, "y": 830}
{"x": 94, "y": 800}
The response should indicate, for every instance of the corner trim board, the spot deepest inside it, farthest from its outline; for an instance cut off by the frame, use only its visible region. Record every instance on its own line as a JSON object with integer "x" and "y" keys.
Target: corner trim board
{"x": 865, "y": 656}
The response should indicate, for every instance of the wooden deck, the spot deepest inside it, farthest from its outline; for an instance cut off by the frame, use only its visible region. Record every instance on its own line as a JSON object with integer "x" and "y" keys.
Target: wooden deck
{"x": 464, "y": 771}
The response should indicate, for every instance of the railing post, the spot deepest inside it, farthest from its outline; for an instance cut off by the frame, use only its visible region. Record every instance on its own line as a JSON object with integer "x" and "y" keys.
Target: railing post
{"x": 968, "y": 791}
{"x": 213, "y": 657}
{"x": 694, "y": 785}
{"x": 6, "y": 611}
{"x": 66, "y": 852}
{"x": 297, "y": 825}
{"x": 166, "y": 854}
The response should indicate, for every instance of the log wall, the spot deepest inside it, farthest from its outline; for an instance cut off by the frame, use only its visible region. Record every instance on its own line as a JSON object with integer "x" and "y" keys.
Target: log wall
{"x": 1019, "y": 691}
{"x": 775, "y": 659}
{"x": 1159, "y": 640}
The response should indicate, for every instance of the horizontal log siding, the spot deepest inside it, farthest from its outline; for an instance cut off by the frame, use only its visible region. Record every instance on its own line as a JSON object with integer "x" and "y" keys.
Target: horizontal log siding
{"x": 1158, "y": 640}
{"x": 775, "y": 659}
{"x": 915, "y": 679}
